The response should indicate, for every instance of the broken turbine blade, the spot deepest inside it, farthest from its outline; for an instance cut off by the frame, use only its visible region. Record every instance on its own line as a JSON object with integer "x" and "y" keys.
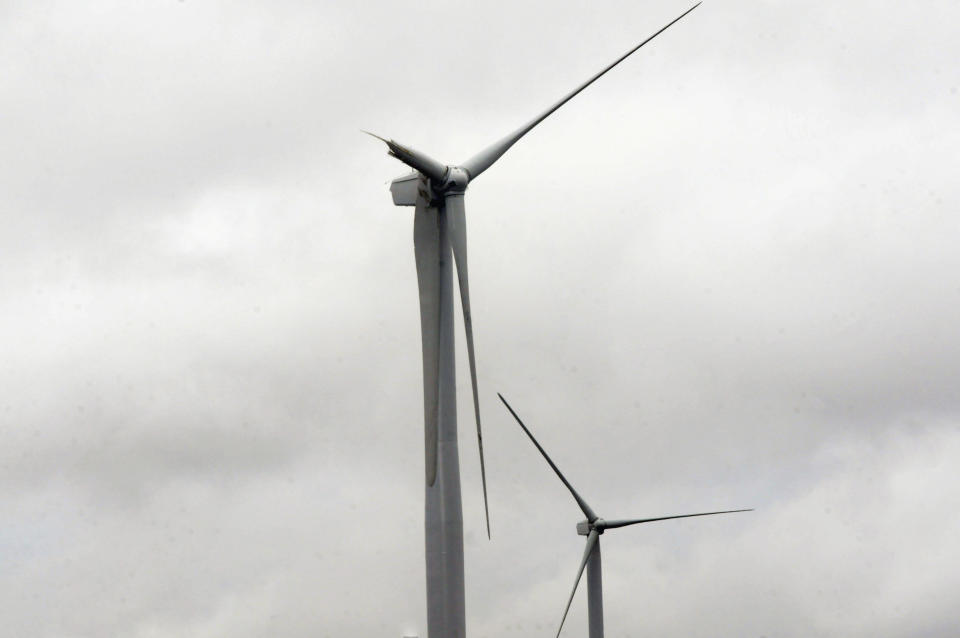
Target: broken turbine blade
{"x": 415, "y": 159}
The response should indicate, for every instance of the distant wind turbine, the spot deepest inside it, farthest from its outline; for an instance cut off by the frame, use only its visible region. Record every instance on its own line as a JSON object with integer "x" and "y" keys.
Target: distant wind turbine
{"x": 439, "y": 227}
{"x": 592, "y": 528}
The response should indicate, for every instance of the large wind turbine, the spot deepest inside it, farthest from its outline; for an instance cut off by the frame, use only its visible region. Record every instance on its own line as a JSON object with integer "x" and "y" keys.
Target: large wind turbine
{"x": 437, "y": 191}
{"x": 592, "y": 528}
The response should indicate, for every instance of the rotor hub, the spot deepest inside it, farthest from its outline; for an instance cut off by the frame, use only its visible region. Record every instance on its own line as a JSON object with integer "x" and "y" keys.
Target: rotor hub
{"x": 455, "y": 180}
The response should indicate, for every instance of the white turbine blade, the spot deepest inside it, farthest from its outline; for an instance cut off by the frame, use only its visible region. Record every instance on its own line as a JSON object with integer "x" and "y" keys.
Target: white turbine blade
{"x": 414, "y": 159}
{"x": 591, "y": 541}
{"x": 634, "y": 521}
{"x": 485, "y": 158}
{"x": 426, "y": 248}
{"x": 587, "y": 511}
{"x": 457, "y": 224}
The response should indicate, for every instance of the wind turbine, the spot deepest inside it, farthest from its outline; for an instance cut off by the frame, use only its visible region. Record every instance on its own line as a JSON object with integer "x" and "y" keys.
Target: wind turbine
{"x": 592, "y": 528}
{"x": 439, "y": 227}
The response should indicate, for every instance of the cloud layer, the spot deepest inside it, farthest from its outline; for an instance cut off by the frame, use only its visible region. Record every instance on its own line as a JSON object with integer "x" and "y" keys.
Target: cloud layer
{"x": 722, "y": 277}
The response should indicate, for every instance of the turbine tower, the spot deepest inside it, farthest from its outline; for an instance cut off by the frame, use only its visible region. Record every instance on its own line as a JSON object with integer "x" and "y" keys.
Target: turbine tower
{"x": 592, "y": 528}
{"x": 439, "y": 228}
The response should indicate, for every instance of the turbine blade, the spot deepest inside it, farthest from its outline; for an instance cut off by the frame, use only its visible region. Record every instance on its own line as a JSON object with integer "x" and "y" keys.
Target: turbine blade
{"x": 426, "y": 248}
{"x": 634, "y": 521}
{"x": 457, "y": 223}
{"x": 414, "y": 159}
{"x": 592, "y": 540}
{"x": 485, "y": 158}
{"x": 589, "y": 513}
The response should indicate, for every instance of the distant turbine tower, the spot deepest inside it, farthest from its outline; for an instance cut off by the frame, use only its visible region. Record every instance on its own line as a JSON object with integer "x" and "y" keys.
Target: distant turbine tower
{"x": 437, "y": 190}
{"x": 592, "y": 528}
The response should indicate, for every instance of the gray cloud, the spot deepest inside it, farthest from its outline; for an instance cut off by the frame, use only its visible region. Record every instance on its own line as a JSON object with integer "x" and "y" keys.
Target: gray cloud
{"x": 724, "y": 276}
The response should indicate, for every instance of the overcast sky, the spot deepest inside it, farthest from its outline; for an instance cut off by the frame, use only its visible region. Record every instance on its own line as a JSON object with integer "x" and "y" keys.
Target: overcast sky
{"x": 724, "y": 276}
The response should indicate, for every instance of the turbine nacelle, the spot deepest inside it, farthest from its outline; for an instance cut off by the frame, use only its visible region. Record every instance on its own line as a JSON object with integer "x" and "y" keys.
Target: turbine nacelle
{"x": 407, "y": 188}
{"x": 585, "y": 527}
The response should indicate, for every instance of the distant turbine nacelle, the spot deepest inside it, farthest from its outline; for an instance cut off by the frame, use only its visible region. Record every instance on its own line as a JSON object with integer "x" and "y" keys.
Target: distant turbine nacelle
{"x": 585, "y": 527}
